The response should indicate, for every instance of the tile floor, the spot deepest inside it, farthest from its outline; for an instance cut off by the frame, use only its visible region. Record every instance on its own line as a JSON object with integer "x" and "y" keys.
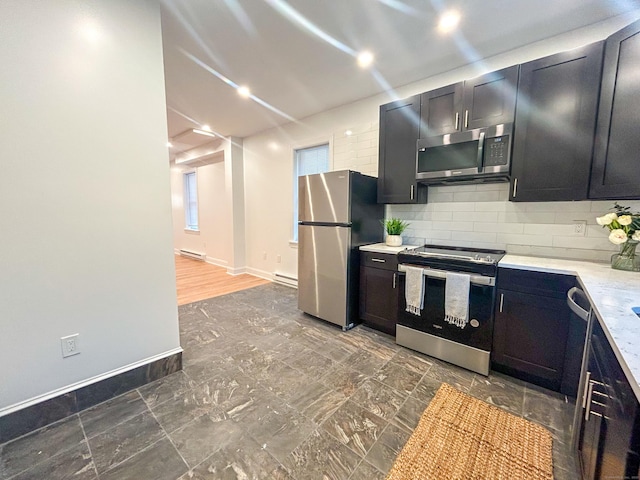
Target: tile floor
{"x": 269, "y": 392}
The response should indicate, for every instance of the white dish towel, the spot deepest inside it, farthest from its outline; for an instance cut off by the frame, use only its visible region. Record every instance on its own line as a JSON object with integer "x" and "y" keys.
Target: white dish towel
{"x": 414, "y": 289}
{"x": 456, "y": 299}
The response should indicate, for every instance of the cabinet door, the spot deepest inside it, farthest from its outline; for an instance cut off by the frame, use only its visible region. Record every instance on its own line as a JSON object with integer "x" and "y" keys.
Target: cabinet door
{"x": 616, "y": 168}
{"x": 490, "y": 99}
{"x": 441, "y": 110}
{"x": 399, "y": 126}
{"x": 555, "y": 125}
{"x": 379, "y": 299}
{"x": 621, "y": 408}
{"x": 529, "y": 337}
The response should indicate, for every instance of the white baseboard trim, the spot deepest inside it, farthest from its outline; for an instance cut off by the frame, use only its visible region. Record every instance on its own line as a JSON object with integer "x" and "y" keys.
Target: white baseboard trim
{"x": 236, "y": 271}
{"x": 218, "y": 262}
{"x": 75, "y": 386}
{"x": 259, "y": 273}
{"x": 267, "y": 276}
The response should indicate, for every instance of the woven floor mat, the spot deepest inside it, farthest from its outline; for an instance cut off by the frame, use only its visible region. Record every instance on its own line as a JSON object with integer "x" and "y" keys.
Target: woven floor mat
{"x": 460, "y": 437}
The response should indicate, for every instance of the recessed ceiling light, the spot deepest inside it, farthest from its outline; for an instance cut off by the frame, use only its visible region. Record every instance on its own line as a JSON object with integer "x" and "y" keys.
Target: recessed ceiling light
{"x": 203, "y": 132}
{"x": 348, "y": 133}
{"x": 206, "y": 127}
{"x": 244, "y": 91}
{"x": 169, "y": 144}
{"x": 365, "y": 59}
{"x": 449, "y": 20}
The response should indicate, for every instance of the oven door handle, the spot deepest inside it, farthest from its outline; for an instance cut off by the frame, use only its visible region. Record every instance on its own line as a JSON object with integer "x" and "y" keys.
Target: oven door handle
{"x": 434, "y": 273}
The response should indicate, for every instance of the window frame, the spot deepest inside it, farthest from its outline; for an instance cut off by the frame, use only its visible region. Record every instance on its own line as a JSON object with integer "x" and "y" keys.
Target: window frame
{"x": 328, "y": 142}
{"x": 187, "y": 203}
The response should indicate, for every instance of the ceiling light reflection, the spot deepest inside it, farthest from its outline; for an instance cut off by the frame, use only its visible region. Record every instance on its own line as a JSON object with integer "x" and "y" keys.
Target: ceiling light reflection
{"x": 90, "y": 31}
{"x": 244, "y": 92}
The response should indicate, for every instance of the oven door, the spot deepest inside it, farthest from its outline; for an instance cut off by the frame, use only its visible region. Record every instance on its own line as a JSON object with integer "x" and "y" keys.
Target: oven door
{"x": 477, "y": 333}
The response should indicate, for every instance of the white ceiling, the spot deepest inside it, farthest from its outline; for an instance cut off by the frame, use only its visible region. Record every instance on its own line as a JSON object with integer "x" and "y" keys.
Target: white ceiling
{"x": 300, "y": 70}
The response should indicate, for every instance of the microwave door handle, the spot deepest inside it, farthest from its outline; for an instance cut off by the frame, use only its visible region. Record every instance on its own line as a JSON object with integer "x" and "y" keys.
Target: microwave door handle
{"x": 480, "y": 151}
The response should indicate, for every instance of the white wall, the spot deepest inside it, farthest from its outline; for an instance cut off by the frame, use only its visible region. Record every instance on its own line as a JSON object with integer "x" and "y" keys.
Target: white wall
{"x": 85, "y": 216}
{"x": 269, "y": 162}
{"x": 213, "y": 216}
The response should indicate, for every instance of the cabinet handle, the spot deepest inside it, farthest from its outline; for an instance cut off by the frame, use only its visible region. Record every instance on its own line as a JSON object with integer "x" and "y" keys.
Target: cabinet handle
{"x": 457, "y": 120}
{"x": 466, "y": 118}
{"x": 501, "y": 301}
{"x": 587, "y": 409}
{"x": 394, "y": 280}
{"x": 378, "y": 260}
{"x": 515, "y": 187}
{"x": 412, "y": 187}
{"x": 584, "y": 394}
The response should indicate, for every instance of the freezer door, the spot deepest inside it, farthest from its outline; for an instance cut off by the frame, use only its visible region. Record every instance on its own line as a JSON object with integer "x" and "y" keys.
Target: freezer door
{"x": 323, "y": 255}
{"x": 324, "y": 197}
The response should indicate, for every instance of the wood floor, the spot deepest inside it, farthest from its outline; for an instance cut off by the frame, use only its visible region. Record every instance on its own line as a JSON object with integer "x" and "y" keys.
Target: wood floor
{"x": 198, "y": 280}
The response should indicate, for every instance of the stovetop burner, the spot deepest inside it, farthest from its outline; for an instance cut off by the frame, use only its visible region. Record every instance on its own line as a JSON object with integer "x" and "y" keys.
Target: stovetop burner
{"x": 476, "y": 260}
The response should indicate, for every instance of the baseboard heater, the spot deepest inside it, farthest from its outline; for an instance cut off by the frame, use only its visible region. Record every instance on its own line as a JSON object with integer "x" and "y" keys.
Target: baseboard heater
{"x": 192, "y": 254}
{"x": 285, "y": 279}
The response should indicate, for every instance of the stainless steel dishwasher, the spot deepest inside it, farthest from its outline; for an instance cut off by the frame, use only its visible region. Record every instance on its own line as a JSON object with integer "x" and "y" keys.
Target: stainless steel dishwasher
{"x": 579, "y": 304}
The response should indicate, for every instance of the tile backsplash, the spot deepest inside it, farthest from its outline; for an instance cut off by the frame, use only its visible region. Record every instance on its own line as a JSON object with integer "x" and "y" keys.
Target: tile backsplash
{"x": 357, "y": 151}
{"x": 481, "y": 216}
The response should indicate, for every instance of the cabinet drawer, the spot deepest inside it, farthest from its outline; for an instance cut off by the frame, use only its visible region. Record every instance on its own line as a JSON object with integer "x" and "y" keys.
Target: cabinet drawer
{"x": 385, "y": 261}
{"x": 535, "y": 283}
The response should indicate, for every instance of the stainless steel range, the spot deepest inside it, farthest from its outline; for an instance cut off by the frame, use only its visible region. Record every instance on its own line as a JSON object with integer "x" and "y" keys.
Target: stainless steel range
{"x": 467, "y": 344}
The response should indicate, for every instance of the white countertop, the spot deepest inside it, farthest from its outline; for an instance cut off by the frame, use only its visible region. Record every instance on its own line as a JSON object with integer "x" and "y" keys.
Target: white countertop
{"x": 612, "y": 293}
{"x": 384, "y": 248}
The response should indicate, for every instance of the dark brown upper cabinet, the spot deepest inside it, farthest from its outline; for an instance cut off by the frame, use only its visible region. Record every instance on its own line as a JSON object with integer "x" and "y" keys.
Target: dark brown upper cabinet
{"x": 399, "y": 127}
{"x": 441, "y": 110}
{"x": 616, "y": 162}
{"x": 480, "y": 102}
{"x": 555, "y": 126}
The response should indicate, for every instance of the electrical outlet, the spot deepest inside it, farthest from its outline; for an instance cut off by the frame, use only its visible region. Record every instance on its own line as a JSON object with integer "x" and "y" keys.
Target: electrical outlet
{"x": 70, "y": 345}
{"x": 278, "y": 259}
{"x": 580, "y": 227}
{"x": 264, "y": 255}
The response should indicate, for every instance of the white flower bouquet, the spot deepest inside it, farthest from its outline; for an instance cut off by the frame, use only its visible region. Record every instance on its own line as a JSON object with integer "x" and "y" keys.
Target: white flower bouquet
{"x": 624, "y": 230}
{"x": 622, "y": 224}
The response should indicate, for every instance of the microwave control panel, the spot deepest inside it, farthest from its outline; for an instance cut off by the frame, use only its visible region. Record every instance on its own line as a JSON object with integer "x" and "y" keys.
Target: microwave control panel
{"x": 496, "y": 151}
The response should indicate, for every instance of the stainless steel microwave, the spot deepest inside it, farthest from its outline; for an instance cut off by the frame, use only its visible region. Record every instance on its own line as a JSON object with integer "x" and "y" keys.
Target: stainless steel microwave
{"x": 479, "y": 155}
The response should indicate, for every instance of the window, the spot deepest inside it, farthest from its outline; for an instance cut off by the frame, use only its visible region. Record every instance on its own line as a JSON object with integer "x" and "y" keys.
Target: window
{"x": 190, "y": 201}
{"x": 307, "y": 161}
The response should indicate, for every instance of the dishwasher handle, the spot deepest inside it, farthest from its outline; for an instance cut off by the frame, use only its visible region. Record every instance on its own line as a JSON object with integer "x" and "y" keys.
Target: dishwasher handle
{"x": 576, "y": 294}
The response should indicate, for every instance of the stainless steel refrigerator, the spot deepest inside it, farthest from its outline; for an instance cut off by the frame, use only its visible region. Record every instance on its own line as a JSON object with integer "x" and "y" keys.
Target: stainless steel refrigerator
{"x": 337, "y": 212}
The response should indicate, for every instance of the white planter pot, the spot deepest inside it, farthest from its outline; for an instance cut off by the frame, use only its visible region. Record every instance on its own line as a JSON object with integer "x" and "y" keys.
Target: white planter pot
{"x": 394, "y": 240}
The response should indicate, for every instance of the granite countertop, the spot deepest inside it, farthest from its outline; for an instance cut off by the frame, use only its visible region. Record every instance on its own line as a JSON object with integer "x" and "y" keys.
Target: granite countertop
{"x": 384, "y": 248}
{"x": 612, "y": 293}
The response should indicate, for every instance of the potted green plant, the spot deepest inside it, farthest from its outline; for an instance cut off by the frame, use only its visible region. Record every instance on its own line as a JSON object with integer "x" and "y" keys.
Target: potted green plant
{"x": 394, "y": 228}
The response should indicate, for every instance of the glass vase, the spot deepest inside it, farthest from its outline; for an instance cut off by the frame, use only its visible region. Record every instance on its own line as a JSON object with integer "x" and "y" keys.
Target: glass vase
{"x": 627, "y": 258}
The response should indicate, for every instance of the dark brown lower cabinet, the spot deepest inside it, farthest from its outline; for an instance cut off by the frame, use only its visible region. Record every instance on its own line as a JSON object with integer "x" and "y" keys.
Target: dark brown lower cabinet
{"x": 532, "y": 324}
{"x": 608, "y": 433}
{"x": 378, "y": 291}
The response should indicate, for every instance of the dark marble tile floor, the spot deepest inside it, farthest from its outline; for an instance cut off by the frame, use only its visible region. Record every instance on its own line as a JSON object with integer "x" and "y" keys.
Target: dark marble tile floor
{"x": 269, "y": 392}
